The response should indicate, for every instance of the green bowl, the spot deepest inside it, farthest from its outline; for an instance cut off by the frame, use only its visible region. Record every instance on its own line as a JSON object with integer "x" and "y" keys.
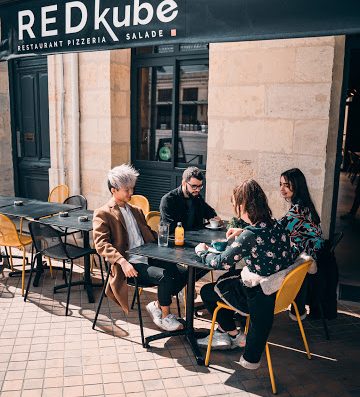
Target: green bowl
{"x": 219, "y": 245}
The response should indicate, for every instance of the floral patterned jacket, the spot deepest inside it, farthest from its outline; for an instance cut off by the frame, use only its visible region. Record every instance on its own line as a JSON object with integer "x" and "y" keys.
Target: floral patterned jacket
{"x": 265, "y": 249}
{"x": 305, "y": 234}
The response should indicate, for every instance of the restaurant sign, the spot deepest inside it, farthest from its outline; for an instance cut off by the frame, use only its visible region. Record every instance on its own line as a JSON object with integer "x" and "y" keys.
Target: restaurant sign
{"x": 48, "y": 26}
{"x": 30, "y": 27}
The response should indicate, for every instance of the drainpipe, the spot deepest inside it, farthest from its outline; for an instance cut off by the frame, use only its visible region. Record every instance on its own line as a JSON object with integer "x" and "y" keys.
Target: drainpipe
{"x": 62, "y": 112}
{"x": 75, "y": 123}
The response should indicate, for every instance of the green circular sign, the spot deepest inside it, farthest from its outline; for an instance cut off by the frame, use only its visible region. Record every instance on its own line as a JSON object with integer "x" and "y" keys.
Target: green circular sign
{"x": 165, "y": 153}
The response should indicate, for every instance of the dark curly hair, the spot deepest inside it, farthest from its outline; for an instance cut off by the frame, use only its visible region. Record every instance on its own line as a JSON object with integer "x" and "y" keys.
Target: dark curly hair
{"x": 254, "y": 201}
{"x": 301, "y": 194}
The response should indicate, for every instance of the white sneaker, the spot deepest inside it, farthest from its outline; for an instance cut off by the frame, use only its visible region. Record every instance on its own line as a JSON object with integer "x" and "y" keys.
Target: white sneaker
{"x": 155, "y": 313}
{"x": 239, "y": 341}
{"x": 293, "y": 316}
{"x": 248, "y": 365}
{"x": 170, "y": 323}
{"x": 220, "y": 341}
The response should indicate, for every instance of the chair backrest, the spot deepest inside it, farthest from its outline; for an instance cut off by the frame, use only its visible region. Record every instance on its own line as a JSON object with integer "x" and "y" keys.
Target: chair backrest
{"x": 78, "y": 199}
{"x": 58, "y": 194}
{"x": 140, "y": 201}
{"x": 45, "y": 237}
{"x": 9, "y": 236}
{"x": 336, "y": 240}
{"x": 290, "y": 287}
{"x": 153, "y": 220}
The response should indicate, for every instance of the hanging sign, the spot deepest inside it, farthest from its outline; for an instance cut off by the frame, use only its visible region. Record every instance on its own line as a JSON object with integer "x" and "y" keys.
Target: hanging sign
{"x": 52, "y": 26}
{"x": 64, "y": 26}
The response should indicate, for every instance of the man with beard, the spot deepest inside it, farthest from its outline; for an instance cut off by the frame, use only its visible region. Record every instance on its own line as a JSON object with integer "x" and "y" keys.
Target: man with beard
{"x": 185, "y": 204}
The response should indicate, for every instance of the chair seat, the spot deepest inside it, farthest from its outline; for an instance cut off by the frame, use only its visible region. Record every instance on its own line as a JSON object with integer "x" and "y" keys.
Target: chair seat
{"x": 73, "y": 252}
{"x": 25, "y": 240}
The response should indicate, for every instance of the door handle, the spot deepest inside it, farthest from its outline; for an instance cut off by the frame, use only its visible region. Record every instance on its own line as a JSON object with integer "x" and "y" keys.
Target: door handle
{"x": 18, "y": 143}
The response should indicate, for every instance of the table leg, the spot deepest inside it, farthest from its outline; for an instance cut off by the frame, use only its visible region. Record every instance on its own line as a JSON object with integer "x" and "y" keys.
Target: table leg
{"x": 39, "y": 270}
{"x": 87, "y": 275}
{"x": 190, "y": 334}
{"x": 188, "y": 331}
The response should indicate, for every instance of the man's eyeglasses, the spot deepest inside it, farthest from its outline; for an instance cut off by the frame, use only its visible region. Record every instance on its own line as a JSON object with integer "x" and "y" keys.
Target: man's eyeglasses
{"x": 195, "y": 187}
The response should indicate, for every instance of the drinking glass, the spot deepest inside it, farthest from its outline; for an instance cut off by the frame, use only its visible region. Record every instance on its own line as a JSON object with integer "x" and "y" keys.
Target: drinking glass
{"x": 163, "y": 234}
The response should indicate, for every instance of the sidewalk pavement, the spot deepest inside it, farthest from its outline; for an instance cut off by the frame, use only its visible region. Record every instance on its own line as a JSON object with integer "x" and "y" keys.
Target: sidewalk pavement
{"x": 45, "y": 354}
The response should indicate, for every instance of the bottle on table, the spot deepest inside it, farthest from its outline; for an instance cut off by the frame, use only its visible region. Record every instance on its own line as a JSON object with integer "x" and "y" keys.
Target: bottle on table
{"x": 179, "y": 234}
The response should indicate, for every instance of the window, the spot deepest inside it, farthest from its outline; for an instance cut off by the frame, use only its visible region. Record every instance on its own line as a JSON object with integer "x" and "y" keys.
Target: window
{"x": 170, "y": 105}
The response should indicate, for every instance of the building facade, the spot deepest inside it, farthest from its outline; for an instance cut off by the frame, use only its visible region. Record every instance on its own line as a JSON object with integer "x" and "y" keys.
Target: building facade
{"x": 271, "y": 105}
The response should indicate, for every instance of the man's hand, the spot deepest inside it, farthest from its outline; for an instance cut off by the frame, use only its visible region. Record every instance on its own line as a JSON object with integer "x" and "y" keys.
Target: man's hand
{"x": 233, "y": 232}
{"x": 128, "y": 268}
{"x": 201, "y": 247}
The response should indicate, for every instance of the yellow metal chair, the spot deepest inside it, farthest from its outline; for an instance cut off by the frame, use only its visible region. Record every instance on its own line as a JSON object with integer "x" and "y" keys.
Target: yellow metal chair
{"x": 58, "y": 194}
{"x": 284, "y": 297}
{"x": 9, "y": 237}
{"x": 140, "y": 201}
{"x": 153, "y": 220}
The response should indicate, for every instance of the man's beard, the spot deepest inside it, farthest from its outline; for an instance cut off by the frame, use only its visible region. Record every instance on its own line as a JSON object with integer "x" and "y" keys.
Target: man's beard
{"x": 190, "y": 195}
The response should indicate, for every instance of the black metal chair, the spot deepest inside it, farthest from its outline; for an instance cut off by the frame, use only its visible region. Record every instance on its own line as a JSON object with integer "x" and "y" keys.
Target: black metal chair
{"x": 137, "y": 284}
{"x": 317, "y": 282}
{"x": 81, "y": 202}
{"x": 48, "y": 242}
{"x": 77, "y": 199}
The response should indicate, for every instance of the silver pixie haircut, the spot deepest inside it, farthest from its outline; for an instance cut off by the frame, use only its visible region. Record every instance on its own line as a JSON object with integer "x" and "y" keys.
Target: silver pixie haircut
{"x": 125, "y": 175}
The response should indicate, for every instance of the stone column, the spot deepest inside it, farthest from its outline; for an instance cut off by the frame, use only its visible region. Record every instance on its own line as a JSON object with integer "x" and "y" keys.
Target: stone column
{"x": 274, "y": 105}
{"x": 120, "y": 68}
{"x": 6, "y": 161}
{"x": 104, "y": 95}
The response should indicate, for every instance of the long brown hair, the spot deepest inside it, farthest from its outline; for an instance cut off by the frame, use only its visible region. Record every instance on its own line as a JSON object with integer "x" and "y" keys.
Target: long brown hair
{"x": 254, "y": 201}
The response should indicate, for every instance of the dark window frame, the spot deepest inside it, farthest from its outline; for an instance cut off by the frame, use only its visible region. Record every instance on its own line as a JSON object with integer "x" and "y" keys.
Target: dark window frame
{"x": 177, "y": 58}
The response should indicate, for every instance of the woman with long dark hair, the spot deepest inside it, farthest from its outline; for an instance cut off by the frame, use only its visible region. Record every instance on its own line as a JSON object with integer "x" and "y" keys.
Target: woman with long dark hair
{"x": 303, "y": 223}
{"x": 302, "y": 219}
{"x": 264, "y": 246}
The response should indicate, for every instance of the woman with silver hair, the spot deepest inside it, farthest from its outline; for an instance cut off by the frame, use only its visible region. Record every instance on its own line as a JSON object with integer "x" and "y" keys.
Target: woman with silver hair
{"x": 118, "y": 227}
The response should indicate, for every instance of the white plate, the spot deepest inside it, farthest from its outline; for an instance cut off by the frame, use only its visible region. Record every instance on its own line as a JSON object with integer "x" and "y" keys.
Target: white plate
{"x": 214, "y": 228}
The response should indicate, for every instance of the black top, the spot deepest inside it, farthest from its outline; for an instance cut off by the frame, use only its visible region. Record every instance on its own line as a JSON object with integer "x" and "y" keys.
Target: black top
{"x": 191, "y": 212}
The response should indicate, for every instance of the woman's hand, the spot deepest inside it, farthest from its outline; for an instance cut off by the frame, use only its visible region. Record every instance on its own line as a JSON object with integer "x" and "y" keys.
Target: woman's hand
{"x": 233, "y": 232}
{"x": 201, "y": 247}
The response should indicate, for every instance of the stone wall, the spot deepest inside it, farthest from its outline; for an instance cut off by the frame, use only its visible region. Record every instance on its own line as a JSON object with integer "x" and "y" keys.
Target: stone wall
{"x": 104, "y": 98}
{"x": 120, "y": 69}
{"x": 273, "y": 105}
{"x": 6, "y": 163}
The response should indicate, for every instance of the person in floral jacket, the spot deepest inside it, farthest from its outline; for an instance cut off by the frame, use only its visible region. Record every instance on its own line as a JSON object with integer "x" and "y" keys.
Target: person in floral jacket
{"x": 264, "y": 247}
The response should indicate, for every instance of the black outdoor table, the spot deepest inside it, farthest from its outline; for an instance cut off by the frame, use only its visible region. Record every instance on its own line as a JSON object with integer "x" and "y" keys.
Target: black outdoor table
{"x": 72, "y": 222}
{"x": 35, "y": 209}
{"x": 205, "y": 235}
{"x": 9, "y": 200}
{"x": 182, "y": 255}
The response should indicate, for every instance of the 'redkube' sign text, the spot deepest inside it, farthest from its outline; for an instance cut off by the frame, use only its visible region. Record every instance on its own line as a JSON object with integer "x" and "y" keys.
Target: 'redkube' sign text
{"x": 90, "y": 24}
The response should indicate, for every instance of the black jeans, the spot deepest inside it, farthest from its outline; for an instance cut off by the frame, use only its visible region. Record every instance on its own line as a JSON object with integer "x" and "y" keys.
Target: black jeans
{"x": 261, "y": 309}
{"x": 169, "y": 277}
{"x": 225, "y": 317}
